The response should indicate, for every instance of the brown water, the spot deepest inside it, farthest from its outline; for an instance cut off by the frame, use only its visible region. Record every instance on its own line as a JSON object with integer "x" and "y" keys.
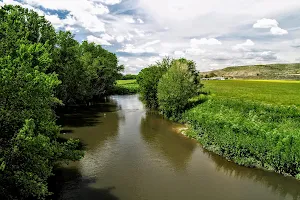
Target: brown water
{"x": 135, "y": 155}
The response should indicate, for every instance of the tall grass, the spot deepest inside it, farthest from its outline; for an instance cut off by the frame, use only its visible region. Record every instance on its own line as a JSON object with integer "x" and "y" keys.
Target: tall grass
{"x": 248, "y": 133}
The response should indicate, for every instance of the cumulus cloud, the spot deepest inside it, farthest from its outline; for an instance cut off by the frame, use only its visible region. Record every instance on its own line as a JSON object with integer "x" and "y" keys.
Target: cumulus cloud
{"x": 109, "y": 2}
{"x": 83, "y": 13}
{"x": 272, "y": 24}
{"x": 262, "y": 56}
{"x": 179, "y": 54}
{"x": 120, "y": 39}
{"x": 140, "y": 21}
{"x": 123, "y": 59}
{"x": 194, "y": 51}
{"x": 204, "y": 41}
{"x": 97, "y": 40}
{"x": 278, "y": 31}
{"x": 130, "y": 48}
{"x": 129, "y": 20}
{"x": 151, "y": 43}
{"x": 243, "y": 46}
{"x": 265, "y": 23}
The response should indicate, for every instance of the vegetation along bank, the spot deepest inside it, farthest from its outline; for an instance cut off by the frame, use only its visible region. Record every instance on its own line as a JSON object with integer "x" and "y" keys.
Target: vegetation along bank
{"x": 41, "y": 70}
{"x": 252, "y": 123}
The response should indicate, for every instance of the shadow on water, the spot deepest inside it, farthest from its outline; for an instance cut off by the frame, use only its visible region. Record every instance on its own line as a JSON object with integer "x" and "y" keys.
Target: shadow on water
{"x": 85, "y": 116}
{"x": 69, "y": 184}
{"x": 278, "y": 184}
{"x": 159, "y": 134}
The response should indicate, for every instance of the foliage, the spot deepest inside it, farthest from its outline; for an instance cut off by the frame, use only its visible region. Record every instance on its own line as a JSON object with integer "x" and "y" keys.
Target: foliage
{"x": 176, "y": 87}
{"x": 70, "y": 70}
{"x": 250, "y": 134}
{"x": 267, "y": 91}
{"x": 101, "y": 67}
{"x": 148, "y": 80}
{"x": 28, "y": 140}
{"x": 37, "y": 65}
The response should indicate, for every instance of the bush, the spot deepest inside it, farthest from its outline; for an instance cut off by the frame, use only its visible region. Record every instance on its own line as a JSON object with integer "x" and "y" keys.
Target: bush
{"x": 176, "y": 87}
{"x": 148, "y": 80}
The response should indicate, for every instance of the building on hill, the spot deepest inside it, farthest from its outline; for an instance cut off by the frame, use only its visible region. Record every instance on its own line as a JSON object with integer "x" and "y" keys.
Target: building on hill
{"x": 214, "y": 78}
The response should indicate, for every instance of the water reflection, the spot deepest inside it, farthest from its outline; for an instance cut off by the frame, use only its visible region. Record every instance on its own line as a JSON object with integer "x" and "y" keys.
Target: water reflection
{"x": 134, "y": 154}
{"x": 283, "y": 186}
{"x": 160, "y": 136}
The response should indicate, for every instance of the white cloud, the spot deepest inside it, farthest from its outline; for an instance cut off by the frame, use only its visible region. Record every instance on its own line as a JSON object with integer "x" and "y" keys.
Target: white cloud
{"x": 123, "y": 59}
{"x": 97, "y": 40}
{"x": 163, "y": 54}
{"x": 129, "y": 20}
{"x": 154, "y": 59}
{"x": 179, "y": 53}
{"x": 140, "y": 21}
{"x": 70, "y": 28}
{"x": 272, "y": 24}
{"x": 243, "y": 46}
{"x": 265, "y": 23}
{"x": 140, "y": 33}
{"x": 278, "y": 31}
{"x": 120, "y": 39}
{"x": 82, "y": 12}
{"x": 194, "y": 51}
{"x": 129, "y": 48}
{"x": 55, "y": 20}
{"x": 204, "y": 41}
{"x": 151, "y": 43}
{"x": 107, "y": 37}
{"x": 109, "y": 2}
{"x": 262, "y": 56}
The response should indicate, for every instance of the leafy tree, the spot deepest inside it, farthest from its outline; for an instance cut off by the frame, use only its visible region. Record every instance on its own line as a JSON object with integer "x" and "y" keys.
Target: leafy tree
{"x": 17, "y": 23}
{"x": 70, "y": 70}
{"x": 176, "y": 87}
{"x": 29, "y": 143}
{"x": 101, "y": 67}
{"x": 148, "y": 80}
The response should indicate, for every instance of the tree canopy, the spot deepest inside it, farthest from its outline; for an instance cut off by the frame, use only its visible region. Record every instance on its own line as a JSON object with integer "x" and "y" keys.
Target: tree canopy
{"x": 41, "y": 69}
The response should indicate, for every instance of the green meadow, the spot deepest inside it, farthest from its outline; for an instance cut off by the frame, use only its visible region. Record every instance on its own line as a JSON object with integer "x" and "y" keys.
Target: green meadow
{"x": 264, "y": 91}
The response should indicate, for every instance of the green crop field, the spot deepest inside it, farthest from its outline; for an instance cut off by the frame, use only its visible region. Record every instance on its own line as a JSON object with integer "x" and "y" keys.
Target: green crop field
{"x": 125, "y": 82}
{"x": 126, "y": 87}
{"x": 266, "y": 91}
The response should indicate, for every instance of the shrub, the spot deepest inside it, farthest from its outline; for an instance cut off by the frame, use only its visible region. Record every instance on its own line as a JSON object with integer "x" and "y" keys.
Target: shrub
{"x": 176, "y": 87}
{"x": 148, "y": 80}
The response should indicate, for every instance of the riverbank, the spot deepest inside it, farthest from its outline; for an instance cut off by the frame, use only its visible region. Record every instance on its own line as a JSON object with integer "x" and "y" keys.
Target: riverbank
{"x": 250, "y": 134}
{"x": 127, "y": 148}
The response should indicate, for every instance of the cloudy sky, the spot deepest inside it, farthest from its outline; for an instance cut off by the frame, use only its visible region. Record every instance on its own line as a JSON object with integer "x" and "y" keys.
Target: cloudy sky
{"x": 214, "y": 33}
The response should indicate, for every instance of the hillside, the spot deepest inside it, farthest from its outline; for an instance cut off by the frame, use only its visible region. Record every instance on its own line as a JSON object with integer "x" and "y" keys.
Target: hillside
{"x": 273, "y": 71}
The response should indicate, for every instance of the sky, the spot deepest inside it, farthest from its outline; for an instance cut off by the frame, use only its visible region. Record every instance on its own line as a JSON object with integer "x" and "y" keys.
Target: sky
{"x": 215, "y": 33}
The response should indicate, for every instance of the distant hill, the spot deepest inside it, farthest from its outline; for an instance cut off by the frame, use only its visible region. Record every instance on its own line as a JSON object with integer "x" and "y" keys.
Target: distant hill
{"x": 273, "y": 71}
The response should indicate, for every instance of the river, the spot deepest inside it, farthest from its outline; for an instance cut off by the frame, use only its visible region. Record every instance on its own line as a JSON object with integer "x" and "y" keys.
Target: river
{"x": 132, "y": 154}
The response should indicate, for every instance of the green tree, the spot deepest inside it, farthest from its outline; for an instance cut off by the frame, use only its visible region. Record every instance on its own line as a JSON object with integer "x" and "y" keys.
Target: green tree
{"x": 176, "y": 87}
{"x": 148, "y": 80}
{"x": 29, "y": 143}
{"x": 70, "y": 70}
{"x": 101, "y": 67}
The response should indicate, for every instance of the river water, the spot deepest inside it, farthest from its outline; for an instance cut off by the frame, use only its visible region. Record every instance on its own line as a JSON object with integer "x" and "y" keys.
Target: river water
{"x": 132, "y": 154}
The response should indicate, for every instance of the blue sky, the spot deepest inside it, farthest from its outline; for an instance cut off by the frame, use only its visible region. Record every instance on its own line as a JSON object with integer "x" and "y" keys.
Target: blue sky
{"x": 214, "y": 33}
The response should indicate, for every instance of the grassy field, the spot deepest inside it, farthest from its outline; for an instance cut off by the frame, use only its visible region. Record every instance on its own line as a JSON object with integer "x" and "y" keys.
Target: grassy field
{"x": 266, "y": 91}
{"x": 125, "y": 82}
{"x": 253, "y": 123}
{"x": 126, "y": 87}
